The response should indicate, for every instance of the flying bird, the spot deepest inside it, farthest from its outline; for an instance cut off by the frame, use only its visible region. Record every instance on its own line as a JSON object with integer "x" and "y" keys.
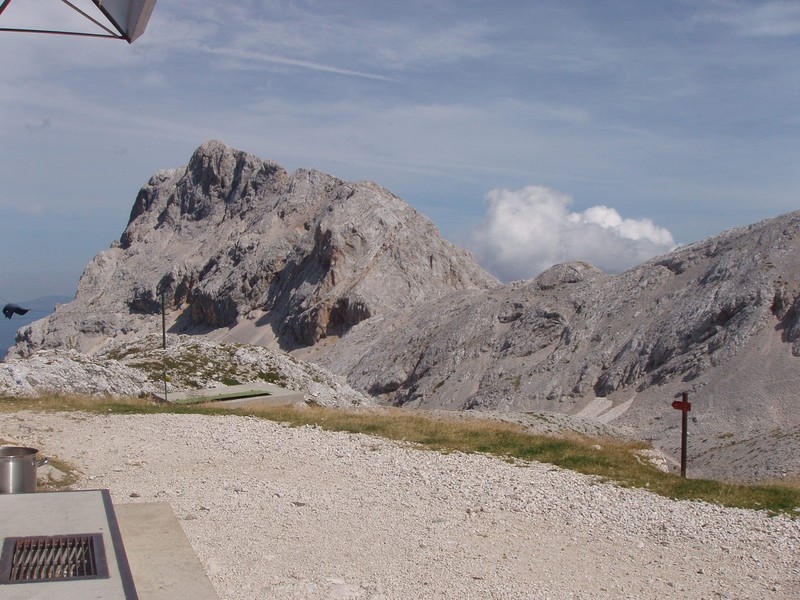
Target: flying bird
{"x": 10, "y": 309}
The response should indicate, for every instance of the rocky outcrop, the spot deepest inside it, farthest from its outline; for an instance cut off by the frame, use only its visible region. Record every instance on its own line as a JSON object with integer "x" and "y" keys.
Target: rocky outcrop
{"x": 136, "y": 369}
{"x": 232, "y": 240}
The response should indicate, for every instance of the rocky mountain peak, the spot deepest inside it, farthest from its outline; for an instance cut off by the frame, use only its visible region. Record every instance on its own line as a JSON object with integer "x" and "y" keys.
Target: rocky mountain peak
{"x": 233, "y": 241}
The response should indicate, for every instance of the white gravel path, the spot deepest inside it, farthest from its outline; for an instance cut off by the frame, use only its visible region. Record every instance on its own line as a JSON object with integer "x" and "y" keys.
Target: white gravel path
{"x": 281, "y": 512}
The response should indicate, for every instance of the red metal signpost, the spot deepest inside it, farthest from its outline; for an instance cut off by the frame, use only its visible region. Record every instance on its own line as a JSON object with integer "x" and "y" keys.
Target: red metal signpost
{"x": 684, "y": 406}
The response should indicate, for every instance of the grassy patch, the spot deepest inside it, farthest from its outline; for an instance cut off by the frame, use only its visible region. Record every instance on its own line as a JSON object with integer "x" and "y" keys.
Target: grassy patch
{"x": 270, "y": 376}
{"x": 607, "y": 459}
{"x": 66, "y": 481}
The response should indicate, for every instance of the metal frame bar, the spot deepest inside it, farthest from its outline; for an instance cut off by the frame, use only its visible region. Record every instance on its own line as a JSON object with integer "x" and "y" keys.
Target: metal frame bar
{"x": 88, "y": 16}
{"x": 73, "y": 33}
{"x": 109, "y": 32}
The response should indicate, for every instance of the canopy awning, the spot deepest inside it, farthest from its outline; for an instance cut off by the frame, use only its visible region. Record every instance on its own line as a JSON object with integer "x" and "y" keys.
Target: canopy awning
{"x": 128, "y": 17}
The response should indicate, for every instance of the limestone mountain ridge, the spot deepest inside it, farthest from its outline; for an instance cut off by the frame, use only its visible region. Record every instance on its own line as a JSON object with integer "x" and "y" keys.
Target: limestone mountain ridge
{"x": 349, "y": 276}
{"x": 232, "y": 240}
{"x": 718, "y": 319}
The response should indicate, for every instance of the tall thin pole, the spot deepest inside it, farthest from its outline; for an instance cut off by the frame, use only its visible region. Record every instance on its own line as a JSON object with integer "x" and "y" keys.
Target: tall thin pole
{"x": 164, "y": 340}
{"x": 684, "y": 434}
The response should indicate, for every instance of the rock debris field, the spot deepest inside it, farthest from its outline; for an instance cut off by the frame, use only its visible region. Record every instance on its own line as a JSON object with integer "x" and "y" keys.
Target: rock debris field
{"x": 279, "y": 512}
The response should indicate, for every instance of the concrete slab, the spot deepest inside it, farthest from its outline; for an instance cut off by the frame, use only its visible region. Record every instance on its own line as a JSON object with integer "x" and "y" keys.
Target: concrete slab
{"x": 67, "y": 514}
{"x": 237, "y": 396}
{"x": 163, "y": 563}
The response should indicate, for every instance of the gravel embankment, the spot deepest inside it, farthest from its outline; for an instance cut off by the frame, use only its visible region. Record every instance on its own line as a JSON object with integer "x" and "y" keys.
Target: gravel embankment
{"x": 280, "y": 512}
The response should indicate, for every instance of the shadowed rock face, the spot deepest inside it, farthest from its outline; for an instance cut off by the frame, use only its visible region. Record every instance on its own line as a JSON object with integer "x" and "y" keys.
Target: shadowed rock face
{"x": 574, "y": 332}
{"x": 719, "y": 319}
{"x": 231, "y": 237}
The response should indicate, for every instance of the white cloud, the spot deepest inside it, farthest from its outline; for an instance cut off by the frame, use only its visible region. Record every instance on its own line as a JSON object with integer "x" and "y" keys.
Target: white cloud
{"x": 292, "y": 62}
{"x": 526, "y": 231}
{"x": 780, "y": 18}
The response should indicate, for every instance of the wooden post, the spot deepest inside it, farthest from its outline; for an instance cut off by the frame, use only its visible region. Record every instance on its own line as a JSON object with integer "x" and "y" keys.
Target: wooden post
{"x": 684, "y": 406}
{"x": 164, "y": 340}
{"x": 684, "y": 434}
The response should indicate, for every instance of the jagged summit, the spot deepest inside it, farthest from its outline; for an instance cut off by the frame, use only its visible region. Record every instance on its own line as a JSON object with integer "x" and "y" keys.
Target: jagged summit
{"x": 235, "y": 241}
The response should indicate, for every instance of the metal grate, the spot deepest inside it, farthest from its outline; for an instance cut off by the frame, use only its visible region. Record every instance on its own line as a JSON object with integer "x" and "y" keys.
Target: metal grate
{"x": 53, "y": 558}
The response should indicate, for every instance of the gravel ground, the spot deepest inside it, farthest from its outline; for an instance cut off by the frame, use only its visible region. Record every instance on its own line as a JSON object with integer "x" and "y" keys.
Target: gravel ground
{"x": 280, "y": 512}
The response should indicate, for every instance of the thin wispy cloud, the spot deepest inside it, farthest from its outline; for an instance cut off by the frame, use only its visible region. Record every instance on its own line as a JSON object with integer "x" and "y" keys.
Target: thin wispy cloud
{"x": 305, "y": 35}
{"x": 401, "y": 46}
{"x": 759, "y": 19}
{"x": 259, "y": 57}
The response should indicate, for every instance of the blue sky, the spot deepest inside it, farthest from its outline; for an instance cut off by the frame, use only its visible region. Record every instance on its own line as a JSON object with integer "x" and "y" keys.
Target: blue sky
{"x": 530, "y": 132}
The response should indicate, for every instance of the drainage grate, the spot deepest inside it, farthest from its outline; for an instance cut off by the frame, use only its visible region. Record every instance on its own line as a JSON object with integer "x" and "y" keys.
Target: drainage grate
{"x": 53, "y": 558}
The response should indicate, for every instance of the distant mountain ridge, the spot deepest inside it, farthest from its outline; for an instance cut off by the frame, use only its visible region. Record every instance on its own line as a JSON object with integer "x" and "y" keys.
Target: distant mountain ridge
{"x": 576, "y": 332}
{"x": 349, "y": 276}
{"x": 718, "y": 319}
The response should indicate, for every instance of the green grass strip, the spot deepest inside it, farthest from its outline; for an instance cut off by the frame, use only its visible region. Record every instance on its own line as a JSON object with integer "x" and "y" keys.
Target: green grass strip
{"x": 609, "y": 459}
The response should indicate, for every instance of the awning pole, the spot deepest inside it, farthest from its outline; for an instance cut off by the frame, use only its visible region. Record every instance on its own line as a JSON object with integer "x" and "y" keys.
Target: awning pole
{"x": 92, "y": 19}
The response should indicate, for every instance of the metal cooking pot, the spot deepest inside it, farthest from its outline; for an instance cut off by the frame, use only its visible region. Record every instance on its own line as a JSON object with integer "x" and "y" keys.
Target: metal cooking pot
{"x": 18, "y": 469}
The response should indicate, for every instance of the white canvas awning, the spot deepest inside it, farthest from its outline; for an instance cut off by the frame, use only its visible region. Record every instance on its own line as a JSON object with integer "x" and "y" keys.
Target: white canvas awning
{"x": 126, "y": 19}
{"x": 129, "y": 17}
